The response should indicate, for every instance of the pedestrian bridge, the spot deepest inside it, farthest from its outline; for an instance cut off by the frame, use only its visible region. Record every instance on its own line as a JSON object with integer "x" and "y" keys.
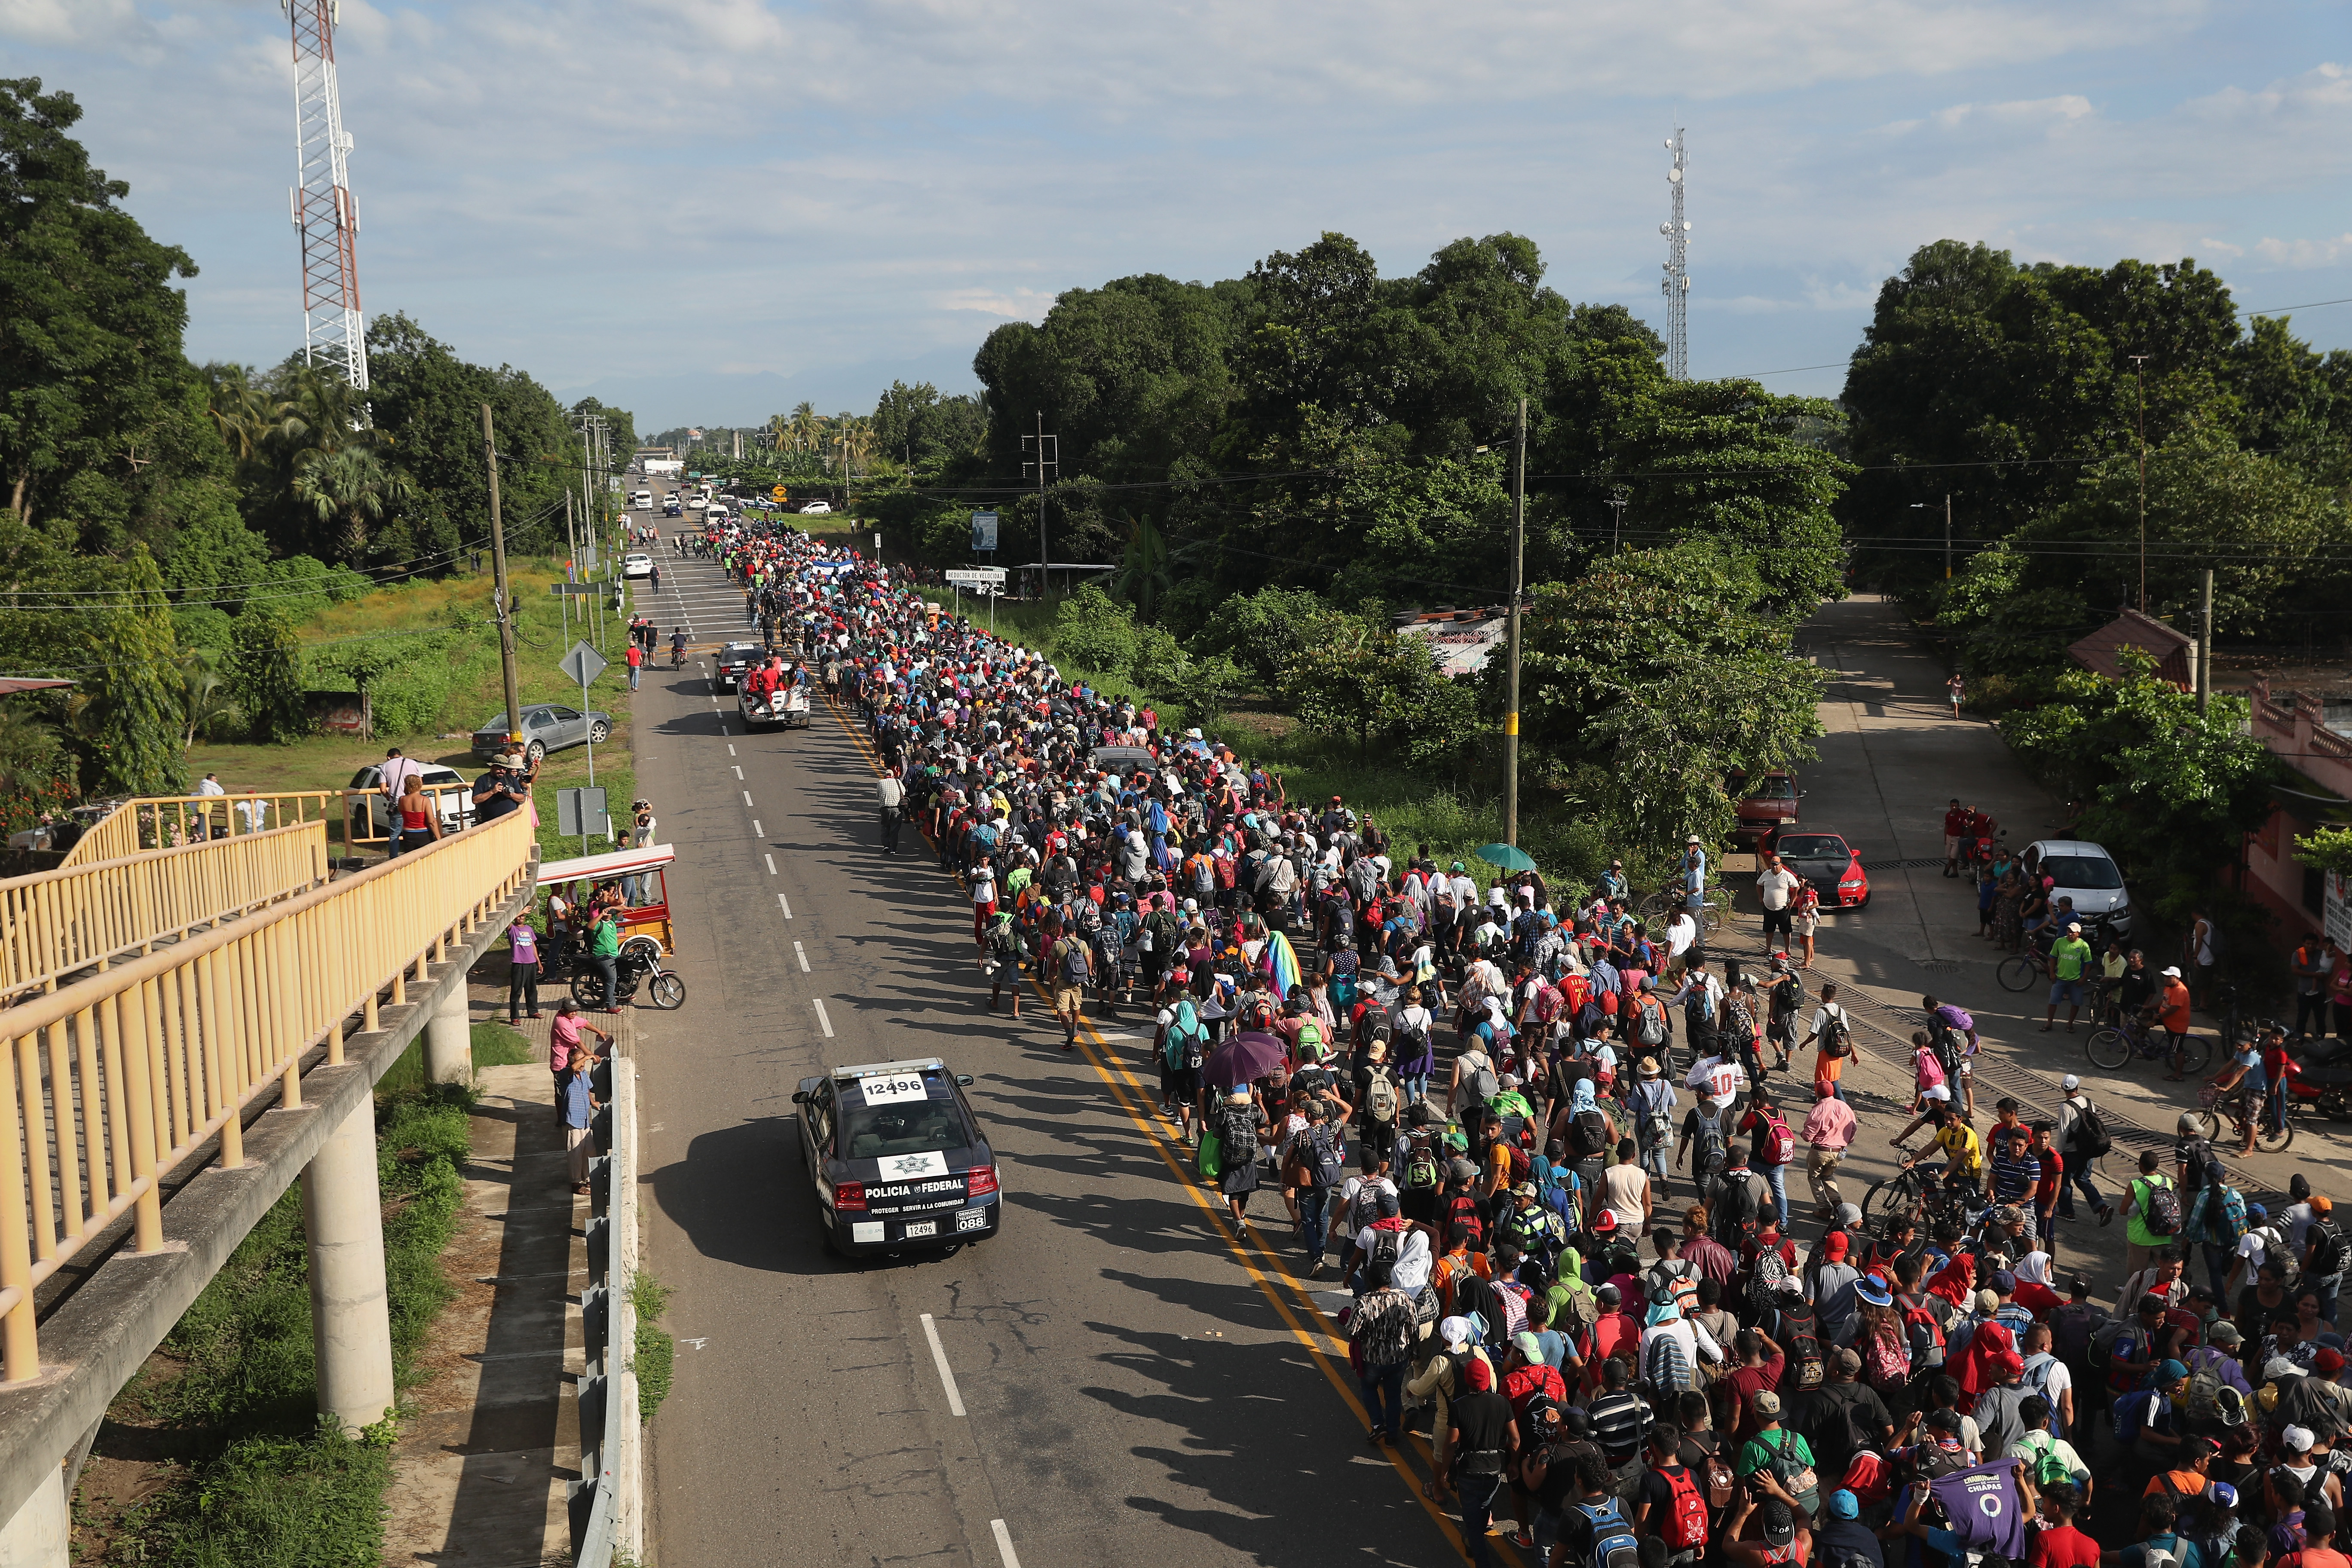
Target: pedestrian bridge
{"x": 195, "y": 1009}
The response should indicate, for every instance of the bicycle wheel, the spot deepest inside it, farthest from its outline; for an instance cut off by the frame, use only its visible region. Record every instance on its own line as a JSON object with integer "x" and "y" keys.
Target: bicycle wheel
{"x": 1895, "y": 1197}
{"x": 1711, "y": 915}
{"x": 2196, "y": 1050}
{"x": 2269, "y": 1140}
{"x": 2018, "y": 973}
{"x": 1653, "y": 909}
{"x": 2108, "y": 1048}
{"x": 667, "y": 991}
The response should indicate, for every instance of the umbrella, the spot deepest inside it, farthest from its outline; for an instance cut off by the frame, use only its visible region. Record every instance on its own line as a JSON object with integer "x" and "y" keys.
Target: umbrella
{"x": 1509, "y": 856}
{"x": 1248, "y": 1055}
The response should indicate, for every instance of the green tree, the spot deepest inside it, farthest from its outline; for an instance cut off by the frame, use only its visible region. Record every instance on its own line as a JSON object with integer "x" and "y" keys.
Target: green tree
{"x": 1094, "y": 632}
{"x": 1359, "y": 681}
{"x": 266, "y": 679}
{"x": 2169, "y": 791}
{"x": 1261, "y": 632}
{"x": 354, "y": 489}
{"x": 135, "y": 709}
{"x": 1144, "y": 578}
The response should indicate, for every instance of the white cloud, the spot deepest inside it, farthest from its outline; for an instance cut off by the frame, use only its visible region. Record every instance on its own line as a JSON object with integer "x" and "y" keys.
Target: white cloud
{"x": 2304, "y": 254}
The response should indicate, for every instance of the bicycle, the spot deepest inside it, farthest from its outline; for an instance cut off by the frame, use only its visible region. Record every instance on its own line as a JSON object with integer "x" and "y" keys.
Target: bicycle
{"x": 1912, "y": 1194}
{"x": 2221, "y": 1105}
{"x": 2024, "y": 971}
{"x": 1715, "y": 907}
{"x": 2116, "y": 1047}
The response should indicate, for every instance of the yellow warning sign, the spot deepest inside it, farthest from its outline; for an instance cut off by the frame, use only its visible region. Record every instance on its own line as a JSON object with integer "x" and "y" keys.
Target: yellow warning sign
{"x": 779, "y": 492}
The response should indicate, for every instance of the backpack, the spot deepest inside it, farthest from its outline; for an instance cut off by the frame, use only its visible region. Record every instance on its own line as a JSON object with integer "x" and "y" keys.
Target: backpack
{"x": 1186, "y": 1036}
{"x": 1665, "y": 1367}
{"x": 1721, "y": 1483}
{"x": 1482, "y": 1085}
{"x": 2225, "y": 1221}
{"x": 1735, "y": 1207}
{"x": 1926, "y": 1332}
{"x": 2042, "y": 1453}
{"x": 2160, "y": 1211}
{"x": 1764, "y": 1276}
{"x": 2071, "y": 1327}
{"x": 1388, "y": 1245}
{"x": 1886, "y": 1363}
{"x": 1462, "y": 1206}
{"x": 1650, "y": 1028}
{"x": 1780, "y": 1143}
{"x": 1073, "y": 961}
{"x": 2329, "y": 1256}
{"x": 1685, "y": 1527}
{"x": 1590, "y": 1134}
{"x": 2132, "y": 1412}
{"x": 1613, "y": 1545}
{"x": 1713, "y": 1146}
{"x": 1523, "y": 1166}
{"x": 1837, "y": 1040}
{"x": 1514, "y": 1298}
{"x": 1310, "y": 1040}
{"x": 1790, "y": 1471}
{"x": 1802, "y": 1342}
{"x": 2089, "y": 1137}
{"x": 1325, "y": 1157}
{"x": 1383, "y": 1206}
{"x": 1421, "y": 1172}
{"x": 1381, "y": 1096}
{"x": 2200, "y": 1400}
{"x": 1945, "y": 1041}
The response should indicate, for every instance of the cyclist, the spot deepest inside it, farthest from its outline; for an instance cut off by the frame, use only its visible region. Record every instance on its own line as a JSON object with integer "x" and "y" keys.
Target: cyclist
{"x": 2172, "y": 1014}
{"x": 1963, "y": 1150}
{"x": 676, "y": 646}
{"x": 2244, "y": 1080}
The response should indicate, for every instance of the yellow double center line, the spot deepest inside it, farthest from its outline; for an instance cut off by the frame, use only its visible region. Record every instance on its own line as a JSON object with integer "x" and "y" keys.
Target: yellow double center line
{"x": 1308, "y": 1323}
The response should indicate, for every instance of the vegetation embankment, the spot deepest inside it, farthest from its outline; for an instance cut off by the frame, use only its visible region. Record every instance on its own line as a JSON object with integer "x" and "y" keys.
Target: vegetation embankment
{"x": 236, "y": 1468}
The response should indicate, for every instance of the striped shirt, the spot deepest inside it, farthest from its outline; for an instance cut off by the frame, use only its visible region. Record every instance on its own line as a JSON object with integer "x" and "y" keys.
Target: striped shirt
{"x": 2014, "y": 1177}
{"x": 1620, "y": 1422}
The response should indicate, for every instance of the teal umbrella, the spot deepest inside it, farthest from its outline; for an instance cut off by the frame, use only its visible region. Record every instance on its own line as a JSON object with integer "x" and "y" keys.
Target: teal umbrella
{"x": 1511, "y": 858}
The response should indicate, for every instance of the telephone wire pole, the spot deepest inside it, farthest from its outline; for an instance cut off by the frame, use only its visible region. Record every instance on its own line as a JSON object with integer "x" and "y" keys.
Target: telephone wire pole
{"x": 1518, "y": 568}
{"x": 498, "y": 583}
{"x": 1043, "y": 445}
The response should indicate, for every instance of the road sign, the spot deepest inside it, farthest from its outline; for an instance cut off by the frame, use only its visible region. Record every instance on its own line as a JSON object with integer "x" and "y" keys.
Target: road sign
{"x": 581, "y": 812}
{"x": 583, "y": 664}
{"x": 974, "y": 576}
{"x": 984, "y": 530}
{"x": 573, "y": 587}
{"x": 778, "y": 493}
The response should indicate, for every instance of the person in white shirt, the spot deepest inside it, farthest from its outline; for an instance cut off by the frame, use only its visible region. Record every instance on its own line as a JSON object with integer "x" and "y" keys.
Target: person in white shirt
{"x": 203, "y": 826}
{"x": 1776, "y": 887}
{"x": 1681, "y": 931}
{"x": 1719, "y": 1078}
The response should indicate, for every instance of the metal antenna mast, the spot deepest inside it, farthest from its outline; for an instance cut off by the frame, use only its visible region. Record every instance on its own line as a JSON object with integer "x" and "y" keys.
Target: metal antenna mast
{"x": 1676, "y": 285}
{"x": 324, "y": 214}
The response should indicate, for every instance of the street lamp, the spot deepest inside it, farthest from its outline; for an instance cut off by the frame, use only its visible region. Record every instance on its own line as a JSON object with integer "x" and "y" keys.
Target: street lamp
{"x": 1922, "y": 506}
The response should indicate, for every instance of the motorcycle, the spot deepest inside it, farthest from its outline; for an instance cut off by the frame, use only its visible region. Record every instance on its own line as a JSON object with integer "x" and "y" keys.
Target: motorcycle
{"x": 2319, "y": 1078}
{"x": 639, "y": 965}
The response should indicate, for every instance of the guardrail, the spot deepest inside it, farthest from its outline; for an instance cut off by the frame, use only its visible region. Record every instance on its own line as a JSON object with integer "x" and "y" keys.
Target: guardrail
{"x": 55, "y": 923}
{"x": 171, "y": 821}
{"x": 612, "y": 1438}
{"x": 110, "y": 1082}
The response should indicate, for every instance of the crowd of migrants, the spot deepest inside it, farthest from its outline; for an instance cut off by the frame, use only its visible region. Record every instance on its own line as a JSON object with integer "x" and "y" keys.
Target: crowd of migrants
{"x": 1540, "y": 1148}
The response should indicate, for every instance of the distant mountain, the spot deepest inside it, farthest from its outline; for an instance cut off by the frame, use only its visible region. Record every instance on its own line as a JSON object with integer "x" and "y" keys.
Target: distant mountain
{"x": 713, "y": 397}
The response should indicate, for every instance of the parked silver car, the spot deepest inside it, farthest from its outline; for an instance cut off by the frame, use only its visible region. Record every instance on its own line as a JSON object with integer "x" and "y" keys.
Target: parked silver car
{"x": 546, "y": 727}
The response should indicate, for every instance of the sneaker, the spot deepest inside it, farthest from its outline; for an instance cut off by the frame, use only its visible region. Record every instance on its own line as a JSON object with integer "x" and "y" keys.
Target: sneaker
{"x": 2106, "y": 1212}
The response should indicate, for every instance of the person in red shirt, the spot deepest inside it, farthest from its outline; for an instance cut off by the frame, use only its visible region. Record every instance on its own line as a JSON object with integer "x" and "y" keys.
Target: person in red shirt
{"x": 1956, "y": 829}
{"x": 2056, "y": 1543}
{"x": 1613, "y": 1334}
{"x": 1761, "y": 1363}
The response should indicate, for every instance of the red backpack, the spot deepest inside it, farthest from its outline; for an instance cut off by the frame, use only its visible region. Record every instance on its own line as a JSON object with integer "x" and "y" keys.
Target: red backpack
{"x": 1685, "y": 1528}
{"x": 1780, "y": 1144}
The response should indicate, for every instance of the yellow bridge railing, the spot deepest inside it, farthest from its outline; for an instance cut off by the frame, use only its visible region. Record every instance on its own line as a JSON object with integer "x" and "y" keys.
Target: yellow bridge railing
{"x": 109, "y": 1082}
{"x": 55, "y": 923}
{"x": 166, "y": 822}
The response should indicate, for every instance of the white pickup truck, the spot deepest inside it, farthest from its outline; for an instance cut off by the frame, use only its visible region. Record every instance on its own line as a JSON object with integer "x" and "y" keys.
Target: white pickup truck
{"x": 788, "y": 706}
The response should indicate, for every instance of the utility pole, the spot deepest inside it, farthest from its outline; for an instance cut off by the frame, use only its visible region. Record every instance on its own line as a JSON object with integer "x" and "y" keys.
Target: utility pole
{"x": 2140, "y": 375}
{"x": 2205, "y": 649}
{"x": 1948, "y": 534}
{"x": 1519, "y": 565}
{"x": 1043, "y": 463}
{"x": 499, "y": 581}
{"x": 569, "y": 545}
{"x": 1617, "y": 524}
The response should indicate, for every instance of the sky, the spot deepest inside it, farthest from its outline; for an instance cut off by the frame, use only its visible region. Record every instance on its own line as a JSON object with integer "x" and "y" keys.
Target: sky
{"x": 705, "y": 211}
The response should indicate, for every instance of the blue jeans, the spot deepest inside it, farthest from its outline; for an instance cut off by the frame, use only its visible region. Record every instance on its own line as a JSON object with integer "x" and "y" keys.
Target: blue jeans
{"x": 2077, "y": 1178}
{"x": 609, "y": 966}
{"x": 1477, "y": 1494}
{"x": 1383, "y": 1389}
{"x": 633, "y": 671}
{"x": 1314, "y": 1210}
{"x": 2326, "y": 1286}
{"x": 1416, "y": 1088}
{"x": 1776, "y": 1176}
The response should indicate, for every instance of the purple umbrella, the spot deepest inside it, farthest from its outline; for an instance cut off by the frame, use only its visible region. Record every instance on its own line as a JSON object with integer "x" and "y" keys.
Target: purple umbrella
{"x": 1248, "y": 1055}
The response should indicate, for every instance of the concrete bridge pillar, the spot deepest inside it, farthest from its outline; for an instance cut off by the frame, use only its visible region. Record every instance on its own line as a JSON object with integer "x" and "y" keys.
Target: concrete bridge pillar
{"x": 449, "y": 1037}
{"x": 350, "y": 1318}
{"x": 37, "y": 1537}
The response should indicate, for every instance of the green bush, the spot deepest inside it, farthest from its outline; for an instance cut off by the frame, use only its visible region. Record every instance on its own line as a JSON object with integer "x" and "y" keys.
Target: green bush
{"x": 269, "y": 1502}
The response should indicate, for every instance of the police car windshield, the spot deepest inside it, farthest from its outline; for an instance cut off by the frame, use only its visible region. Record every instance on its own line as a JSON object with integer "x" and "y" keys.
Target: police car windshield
{"x": 911, "y": 1112}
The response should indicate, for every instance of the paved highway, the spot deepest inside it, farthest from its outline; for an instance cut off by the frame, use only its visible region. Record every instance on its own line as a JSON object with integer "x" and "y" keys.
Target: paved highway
{"x": 1113, "y": 1380}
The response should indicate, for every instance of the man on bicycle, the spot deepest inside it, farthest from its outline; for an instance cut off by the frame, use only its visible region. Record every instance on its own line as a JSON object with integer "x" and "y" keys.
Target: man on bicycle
{"x": 1963, "y": 1150}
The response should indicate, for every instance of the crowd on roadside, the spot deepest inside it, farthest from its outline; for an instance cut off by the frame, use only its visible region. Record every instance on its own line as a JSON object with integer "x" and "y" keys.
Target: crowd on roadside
{"x": 1476, "y": 1104}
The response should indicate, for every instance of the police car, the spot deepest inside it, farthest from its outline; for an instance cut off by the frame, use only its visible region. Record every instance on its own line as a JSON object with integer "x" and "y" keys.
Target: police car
{"x": 897, "y": 1157}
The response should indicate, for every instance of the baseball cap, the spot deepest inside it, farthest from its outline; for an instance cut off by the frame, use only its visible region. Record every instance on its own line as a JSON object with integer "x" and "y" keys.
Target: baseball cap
{"x": 2225, "y": 1333}
{"x": 2172, "y": 971}
{"x": 1767, "y": 1402}
{"x": 1848, "y": 1362}
{"x": 1480, "y": 1376}
{"x": 1937, "y": 1092}
{"x": 2328, "y": 1362}
{"x": 1609, "y": 1295}
{"x": 1844, "y": 1505}
{"x": 1780, "y": 1529}
{"x": 1530, "y": 1346}
{"x": 2004, "y": 1283}
{"x": 1463, "y": 1171}
{"x": 1848, "y": 1214}
{"x": 2070, "y": 1083}
{"x": 1605, "y": 1221}
{"x": 1525, "y": 1190}
{"x": 2298, "y": 1438}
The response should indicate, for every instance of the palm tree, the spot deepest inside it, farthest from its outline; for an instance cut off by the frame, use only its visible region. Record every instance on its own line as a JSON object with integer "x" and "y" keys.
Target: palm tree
{"x": 205, "y": 691}
{"x": 807, "y": 427}
{"x": 1144, "y": 576}
{"x": 240, "y": 410}
{"x": 353, "y": 486}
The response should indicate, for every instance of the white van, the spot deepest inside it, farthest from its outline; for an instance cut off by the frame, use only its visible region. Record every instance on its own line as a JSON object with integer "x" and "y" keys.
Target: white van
{"x": 642, "y": 501}
{"x": 715, "y": 512}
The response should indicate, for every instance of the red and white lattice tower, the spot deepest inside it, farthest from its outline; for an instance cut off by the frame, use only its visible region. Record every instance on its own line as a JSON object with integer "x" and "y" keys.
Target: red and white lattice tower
{"x": 324, "y": 214}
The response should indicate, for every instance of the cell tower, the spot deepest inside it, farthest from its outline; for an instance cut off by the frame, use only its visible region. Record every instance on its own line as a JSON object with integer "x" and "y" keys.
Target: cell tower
{"x": 1676, "y": 285}
{"x": 324, "y": 214}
